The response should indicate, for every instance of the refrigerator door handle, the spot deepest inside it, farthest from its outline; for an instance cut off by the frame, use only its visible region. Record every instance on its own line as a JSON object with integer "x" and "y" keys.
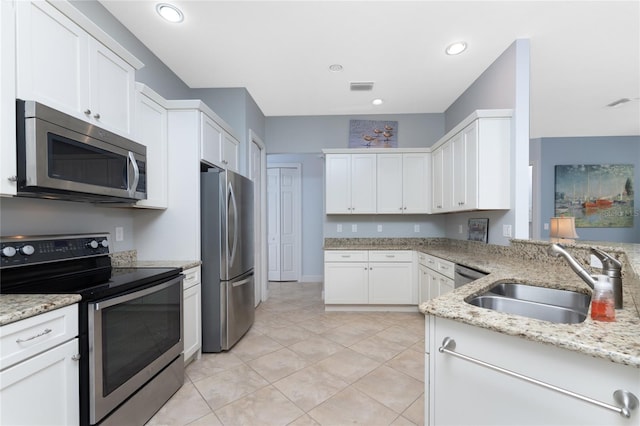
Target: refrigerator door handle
{"x": 232, "y": 234}
{"x": 243, "y": 282}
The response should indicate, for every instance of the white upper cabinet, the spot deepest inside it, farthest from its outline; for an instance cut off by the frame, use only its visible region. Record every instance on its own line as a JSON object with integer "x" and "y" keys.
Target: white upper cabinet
{"x": 151, "y": 130}
{"x": 403, "y": 183}
{"x": 471, "y": 165}
{"x": 218, "y": 147}
{"x": 63, "y": 66}
{"x": 350, "y": 181}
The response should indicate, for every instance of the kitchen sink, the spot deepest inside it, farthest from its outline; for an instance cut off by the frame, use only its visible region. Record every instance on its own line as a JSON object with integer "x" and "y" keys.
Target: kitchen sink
{"x": 547, "y": 304}
{"x": 550, "y": 296}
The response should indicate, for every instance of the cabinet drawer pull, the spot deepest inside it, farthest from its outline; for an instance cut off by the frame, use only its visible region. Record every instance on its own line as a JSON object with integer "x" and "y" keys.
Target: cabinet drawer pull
{"x": 626, "y": 399}
{"x": 43, "y": 333}
{"x": 345, "y": 255}
{"x": 391, "y": 255}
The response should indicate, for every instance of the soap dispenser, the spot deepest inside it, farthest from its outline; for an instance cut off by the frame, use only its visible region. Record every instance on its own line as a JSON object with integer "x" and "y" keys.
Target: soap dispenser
{"x": 602, "y": 301}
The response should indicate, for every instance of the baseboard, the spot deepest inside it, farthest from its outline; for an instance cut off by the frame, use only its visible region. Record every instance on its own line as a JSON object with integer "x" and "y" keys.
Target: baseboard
{"x": 312, "y": 279}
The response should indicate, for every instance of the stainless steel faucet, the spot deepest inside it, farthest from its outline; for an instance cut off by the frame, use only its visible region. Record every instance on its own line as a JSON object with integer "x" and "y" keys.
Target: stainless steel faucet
{"x": 610, "y": 267}
{"x": 558, "y": 250}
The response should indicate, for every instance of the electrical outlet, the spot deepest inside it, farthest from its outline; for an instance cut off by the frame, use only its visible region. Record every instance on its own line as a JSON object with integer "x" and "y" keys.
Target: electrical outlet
{"x": 459, "y": 229}
{"x": 506, "y": 230}
{"x": 119, "y": 233}
{"x": 354, "y": 228}
{"x": 379, "y": 228}
{"x": 416, "y": 228}
{"x": 546, "y": 226}
{"x": 339, "y": 228}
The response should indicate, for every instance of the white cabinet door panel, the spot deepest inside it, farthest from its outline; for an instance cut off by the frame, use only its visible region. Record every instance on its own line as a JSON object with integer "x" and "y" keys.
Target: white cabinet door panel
{"x": 42, "y": 390}
{"x": 390, "y": 283}
{"x": 338, "y": 183}
{"x": 51, "y": 58}
{"x": 416, "y": 182}
{"x": 112, "y": 89}
{"x": 363, "y": 183}
{"x": 389, "y": 183}
{"x": 346, "y": 282}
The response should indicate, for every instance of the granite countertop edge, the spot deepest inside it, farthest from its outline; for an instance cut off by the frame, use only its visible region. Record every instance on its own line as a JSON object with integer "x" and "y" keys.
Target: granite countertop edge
{"x": 618, "y": 342}
{"x": 16, "y": 307}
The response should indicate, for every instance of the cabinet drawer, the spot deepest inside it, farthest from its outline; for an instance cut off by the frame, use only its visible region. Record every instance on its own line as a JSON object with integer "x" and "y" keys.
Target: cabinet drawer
{"x": 427, "y": 260}
{"x": 446, "y": 268}
{"x": 390, "y": 256}
{"x": 28, "y": 337}
{"x": 191, "y": 277}
{"x": 346, "y": 256}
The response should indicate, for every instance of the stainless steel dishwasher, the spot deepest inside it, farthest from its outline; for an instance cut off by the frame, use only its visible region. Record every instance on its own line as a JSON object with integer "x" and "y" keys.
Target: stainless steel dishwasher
{"x": 464, "y": 275}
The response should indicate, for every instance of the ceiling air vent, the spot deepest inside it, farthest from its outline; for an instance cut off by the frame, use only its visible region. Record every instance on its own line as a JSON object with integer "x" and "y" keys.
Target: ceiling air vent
{"x": 361, "y": 86}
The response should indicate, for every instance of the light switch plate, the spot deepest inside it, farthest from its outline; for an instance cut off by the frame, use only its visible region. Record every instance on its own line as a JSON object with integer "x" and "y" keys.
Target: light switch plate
{"x": 354, "y": 228}
{"x": 506, "y": 230}
{"x": 339, "y": 228}
{"x": 459, "y": 229}
{"x": 416, "y": 228}
{"x": 119, "y": 233}
{"x": 379, "y": 228}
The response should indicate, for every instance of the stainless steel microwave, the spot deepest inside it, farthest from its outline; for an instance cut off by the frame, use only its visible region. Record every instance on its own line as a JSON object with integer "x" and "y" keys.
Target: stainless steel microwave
{"x": 63, "y": 157}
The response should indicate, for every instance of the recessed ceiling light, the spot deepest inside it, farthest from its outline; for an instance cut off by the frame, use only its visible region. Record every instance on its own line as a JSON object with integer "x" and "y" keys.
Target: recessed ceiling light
{"x": 377, "y": 101}
{"x": 335, "y": 68}
{"x": 170, "y": 12}
{"x": 456, "y": 48}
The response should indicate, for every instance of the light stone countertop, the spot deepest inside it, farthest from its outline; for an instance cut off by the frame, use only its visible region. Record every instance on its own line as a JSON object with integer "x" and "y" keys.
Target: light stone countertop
{"x": 15, "y": 307}
{"x": 527, "y": 261}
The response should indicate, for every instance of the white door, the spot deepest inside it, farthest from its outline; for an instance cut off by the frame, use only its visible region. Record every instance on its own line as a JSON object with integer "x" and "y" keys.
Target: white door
{"x": 258, "y": 171}
{"x": 273, "y": 224}
{"x": 284, "y": 218}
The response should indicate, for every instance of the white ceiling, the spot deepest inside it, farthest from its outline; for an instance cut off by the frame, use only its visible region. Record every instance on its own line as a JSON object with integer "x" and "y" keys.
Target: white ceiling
{"x": 584, "y": 54}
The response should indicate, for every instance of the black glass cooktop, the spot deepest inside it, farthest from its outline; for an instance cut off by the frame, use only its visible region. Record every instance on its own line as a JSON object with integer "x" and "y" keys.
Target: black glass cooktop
{"x": 91, "y": 278}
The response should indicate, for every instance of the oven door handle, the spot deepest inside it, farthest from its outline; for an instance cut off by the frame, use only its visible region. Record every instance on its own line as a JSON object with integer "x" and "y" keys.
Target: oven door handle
{"x": 121, "y": 299}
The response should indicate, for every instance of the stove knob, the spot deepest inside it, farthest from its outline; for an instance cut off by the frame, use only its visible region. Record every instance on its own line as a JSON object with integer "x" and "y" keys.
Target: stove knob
{"x": 104, "y": 243}
{"x": 27, "y": 250}
{"x": 8, "y": 251}
{"x": 92, "y": 244}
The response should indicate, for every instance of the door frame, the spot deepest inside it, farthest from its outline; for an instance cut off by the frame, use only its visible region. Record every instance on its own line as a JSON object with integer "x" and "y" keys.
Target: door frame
{"x": 262, "y": 290}
{"x": 298, "y": 211}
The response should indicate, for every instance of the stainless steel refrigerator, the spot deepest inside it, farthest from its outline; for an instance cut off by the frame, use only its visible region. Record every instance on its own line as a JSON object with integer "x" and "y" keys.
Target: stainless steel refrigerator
{"x": 226, "y": 215}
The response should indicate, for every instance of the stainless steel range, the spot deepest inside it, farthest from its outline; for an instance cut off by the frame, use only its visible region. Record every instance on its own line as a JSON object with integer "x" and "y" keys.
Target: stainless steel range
{"x": 130, "y": 321}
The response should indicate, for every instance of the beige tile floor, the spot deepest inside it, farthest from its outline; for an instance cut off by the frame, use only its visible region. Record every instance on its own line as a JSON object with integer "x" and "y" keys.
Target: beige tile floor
{"x": 300, "y": 365}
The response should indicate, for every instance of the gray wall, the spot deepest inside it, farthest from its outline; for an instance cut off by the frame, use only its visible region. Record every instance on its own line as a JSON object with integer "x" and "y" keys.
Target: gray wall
{"x": 505, "y": 84}
{"x": 549, "y": 152}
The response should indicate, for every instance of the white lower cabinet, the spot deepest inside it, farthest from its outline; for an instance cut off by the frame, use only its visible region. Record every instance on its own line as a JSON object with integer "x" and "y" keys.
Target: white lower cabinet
{"x": 372, "y": 277}
{"x": 435, "y": 276}
{"x": 192, "y": 322}
{"x": 460, "y": 392}
{"x": 39, "y": 371}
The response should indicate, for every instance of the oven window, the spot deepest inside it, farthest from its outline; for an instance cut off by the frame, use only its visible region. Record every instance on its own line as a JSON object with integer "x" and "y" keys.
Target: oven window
{"x": 80, "y": 162}
{"x": 136, "y": 332}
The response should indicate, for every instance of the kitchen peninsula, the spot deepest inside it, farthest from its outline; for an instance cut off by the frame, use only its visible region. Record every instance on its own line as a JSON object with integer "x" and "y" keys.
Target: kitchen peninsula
{"x": 591, "y": 358}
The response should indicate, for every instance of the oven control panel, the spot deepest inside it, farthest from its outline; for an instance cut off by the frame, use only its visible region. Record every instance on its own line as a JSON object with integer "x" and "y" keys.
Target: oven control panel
{"x": 19, "y": 250}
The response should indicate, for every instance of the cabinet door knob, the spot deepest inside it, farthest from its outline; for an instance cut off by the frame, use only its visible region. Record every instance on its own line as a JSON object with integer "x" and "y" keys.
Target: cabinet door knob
{"x": 96, "y": 116}
{"x": 76, "y": 357}
{"x": 87, "y": 111}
